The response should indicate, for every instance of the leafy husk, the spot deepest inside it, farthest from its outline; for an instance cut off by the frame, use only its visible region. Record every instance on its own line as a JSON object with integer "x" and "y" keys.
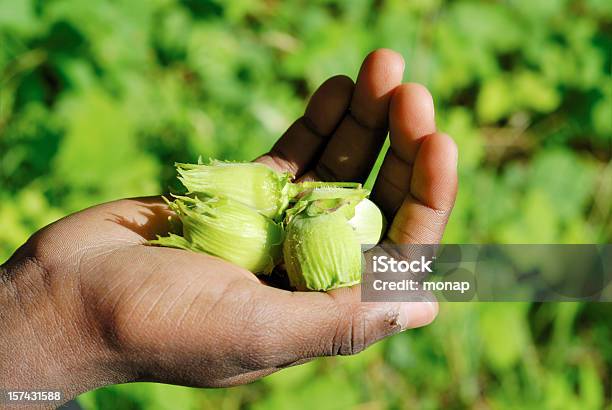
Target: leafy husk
{"x": 228, "y": 229}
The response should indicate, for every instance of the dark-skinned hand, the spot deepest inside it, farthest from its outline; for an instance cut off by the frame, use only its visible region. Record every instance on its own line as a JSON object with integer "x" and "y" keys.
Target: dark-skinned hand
{"x": 86, "y": 303}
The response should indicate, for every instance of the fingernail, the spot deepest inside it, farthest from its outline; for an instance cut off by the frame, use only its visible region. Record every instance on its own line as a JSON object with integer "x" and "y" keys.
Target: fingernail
{"x": 416, "y": 314}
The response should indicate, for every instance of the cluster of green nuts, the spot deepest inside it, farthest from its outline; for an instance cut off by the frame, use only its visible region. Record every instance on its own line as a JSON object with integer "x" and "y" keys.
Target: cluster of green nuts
{"x": 255, "y": 217}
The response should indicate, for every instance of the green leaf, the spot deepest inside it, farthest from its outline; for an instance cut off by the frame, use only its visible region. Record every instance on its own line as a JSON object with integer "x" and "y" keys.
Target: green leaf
{"x": 100, "y": 154}
{"x": 505, "y": 336}
{"x": 495, "y": 99}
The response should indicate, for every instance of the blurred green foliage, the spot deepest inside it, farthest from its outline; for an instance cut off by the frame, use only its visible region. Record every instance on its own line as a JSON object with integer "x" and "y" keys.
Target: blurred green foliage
{"x": 99, "y": 98}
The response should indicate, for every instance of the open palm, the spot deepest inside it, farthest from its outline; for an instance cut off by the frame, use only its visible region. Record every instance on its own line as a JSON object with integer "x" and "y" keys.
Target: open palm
{"x": 150, "y": 313}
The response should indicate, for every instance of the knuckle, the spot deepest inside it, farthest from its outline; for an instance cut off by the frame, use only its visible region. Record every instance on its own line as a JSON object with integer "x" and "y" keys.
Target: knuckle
{"x": 352, "y": 334}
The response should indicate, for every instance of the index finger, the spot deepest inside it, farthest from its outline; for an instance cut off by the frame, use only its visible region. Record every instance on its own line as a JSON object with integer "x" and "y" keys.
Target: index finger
{"x": 303, "y": 141}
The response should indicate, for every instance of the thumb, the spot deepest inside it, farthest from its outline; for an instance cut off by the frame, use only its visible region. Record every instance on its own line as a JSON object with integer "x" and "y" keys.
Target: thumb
{"x": 334, "y": 323}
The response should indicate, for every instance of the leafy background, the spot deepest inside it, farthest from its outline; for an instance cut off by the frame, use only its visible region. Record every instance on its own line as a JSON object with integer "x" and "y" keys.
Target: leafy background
{"x": 99, "y": 98}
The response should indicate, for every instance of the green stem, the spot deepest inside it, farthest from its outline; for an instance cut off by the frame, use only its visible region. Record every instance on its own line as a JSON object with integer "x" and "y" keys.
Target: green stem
{"x": 298, "y": 188}
{"x": 324, "y": 184}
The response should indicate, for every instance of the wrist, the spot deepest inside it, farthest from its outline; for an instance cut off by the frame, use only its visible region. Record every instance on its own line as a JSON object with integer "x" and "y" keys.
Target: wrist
{"x": 44, "y": 344}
